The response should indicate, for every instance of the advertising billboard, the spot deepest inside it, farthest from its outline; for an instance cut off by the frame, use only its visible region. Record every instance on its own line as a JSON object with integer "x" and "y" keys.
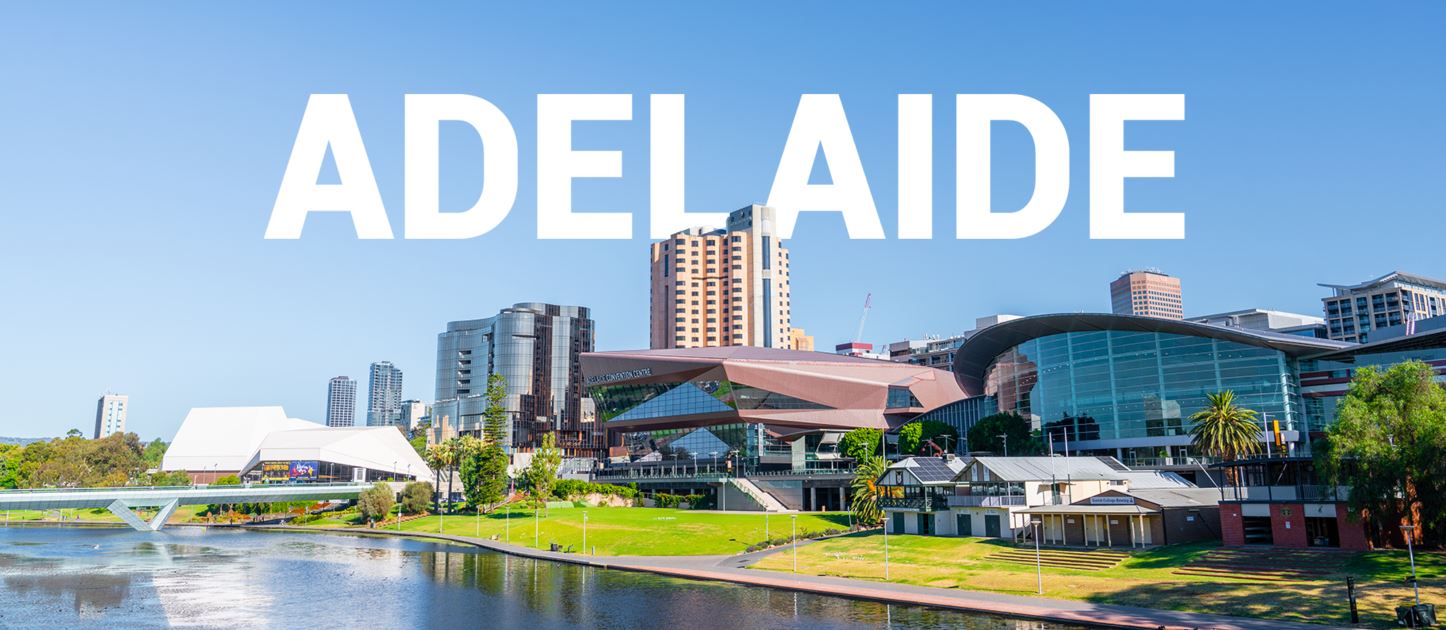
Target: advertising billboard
{"x": 272, "y": 472}
{"x": 303, "y": 471}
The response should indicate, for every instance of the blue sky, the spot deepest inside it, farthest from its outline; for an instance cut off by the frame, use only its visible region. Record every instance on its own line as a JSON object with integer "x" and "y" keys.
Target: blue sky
{"x": 141, "y": 151}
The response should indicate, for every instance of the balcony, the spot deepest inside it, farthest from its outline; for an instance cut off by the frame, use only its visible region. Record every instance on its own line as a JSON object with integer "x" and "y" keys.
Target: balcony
{"x": 1303, "y": 493}
{"x": 1160, "y": 462}
{"x": 928, "y": 503}
{"x": 988, "y": 501}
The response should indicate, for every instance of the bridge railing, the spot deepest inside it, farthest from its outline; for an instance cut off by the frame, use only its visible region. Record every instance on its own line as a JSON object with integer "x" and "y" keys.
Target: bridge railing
{"x": 212, "y": 487}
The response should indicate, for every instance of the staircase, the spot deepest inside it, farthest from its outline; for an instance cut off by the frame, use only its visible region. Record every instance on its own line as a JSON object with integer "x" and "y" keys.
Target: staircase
{"x": 1267, "y": 565}
{"x": 759, "y": 496}
{"x": 1078, "y": 559}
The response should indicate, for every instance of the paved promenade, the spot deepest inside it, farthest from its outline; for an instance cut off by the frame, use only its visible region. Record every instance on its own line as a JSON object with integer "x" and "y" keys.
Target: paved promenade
{"x": 734, "y": 569}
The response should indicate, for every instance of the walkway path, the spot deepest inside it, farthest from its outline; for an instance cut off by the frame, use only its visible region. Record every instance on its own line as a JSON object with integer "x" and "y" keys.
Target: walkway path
{"x": 734, "y": 569}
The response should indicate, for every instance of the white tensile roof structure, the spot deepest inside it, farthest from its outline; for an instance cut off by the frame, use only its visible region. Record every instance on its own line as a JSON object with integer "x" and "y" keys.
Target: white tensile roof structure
{"x": 373, "y": 448}
{"x": 236, "y": 439}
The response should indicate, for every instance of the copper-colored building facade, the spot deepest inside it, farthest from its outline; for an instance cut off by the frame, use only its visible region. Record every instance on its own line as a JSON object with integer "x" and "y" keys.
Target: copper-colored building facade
{"x": 750, "y": 397}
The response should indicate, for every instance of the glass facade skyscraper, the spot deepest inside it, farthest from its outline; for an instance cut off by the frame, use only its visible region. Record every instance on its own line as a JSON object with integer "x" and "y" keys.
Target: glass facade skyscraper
{"x": 384, "y": 394}
{"x": 535, "y": 347}
{"x": 341, "y": 402}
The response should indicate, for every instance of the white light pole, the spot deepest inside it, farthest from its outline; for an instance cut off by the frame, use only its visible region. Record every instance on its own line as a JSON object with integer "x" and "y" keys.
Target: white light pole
{"x": 793, "y": 519}
{"x": 584, "y": 531}
{"x": 536, "y": 527}
{"x": 886, "y": 546}
{"x": 1038, "y": 569}
{"x": 1410, "y": 550}
{"x": 765, "y": 524}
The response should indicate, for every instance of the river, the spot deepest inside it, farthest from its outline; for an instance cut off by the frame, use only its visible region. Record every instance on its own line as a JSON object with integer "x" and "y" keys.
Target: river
{"x": 187, "y": 577}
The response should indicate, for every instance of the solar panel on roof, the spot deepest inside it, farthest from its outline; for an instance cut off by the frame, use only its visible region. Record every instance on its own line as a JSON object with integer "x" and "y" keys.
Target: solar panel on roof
{"x": 930, "y": 469}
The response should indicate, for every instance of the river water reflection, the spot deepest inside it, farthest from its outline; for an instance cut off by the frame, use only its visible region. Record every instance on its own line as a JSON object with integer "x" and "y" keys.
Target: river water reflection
{"x": 188, "y": 577}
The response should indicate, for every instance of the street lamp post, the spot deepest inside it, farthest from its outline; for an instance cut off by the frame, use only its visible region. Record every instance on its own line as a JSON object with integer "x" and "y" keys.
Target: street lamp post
{"x": 793, "y": 519}
{"x": 584, "y": 531}
{"x": 1411, "y": 551}
{"x": 886, "y": 546}
{"x": 1005, "y": 437}
{"x": 1038, "y": 568}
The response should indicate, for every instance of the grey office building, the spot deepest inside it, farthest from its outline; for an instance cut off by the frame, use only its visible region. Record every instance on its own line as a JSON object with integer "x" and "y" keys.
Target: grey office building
{"x": 536, "y": 348}
{"x": 384, "y": 395}
{"x": 341, "y": 402}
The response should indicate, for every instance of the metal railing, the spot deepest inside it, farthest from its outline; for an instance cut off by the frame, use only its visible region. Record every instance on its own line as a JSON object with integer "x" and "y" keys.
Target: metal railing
{"x": 1306, "y": 493}
{"x": 1192, "y": 460}
{"x": 655, "y": 472}
{"x": 211, "y": 487}
{"x": 799, "y": 472}
{"x": 1013, "y": 500}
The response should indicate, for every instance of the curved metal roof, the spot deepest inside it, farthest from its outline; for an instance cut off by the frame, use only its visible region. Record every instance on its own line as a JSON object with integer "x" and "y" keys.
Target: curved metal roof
{"x": 974, "y": 357}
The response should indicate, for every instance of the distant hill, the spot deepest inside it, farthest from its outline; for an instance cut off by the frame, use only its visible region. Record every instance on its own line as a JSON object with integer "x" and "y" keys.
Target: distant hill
{"x": 21, "y": 441}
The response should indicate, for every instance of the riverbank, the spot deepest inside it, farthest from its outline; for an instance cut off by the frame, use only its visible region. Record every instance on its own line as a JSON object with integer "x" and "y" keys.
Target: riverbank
{"x": 1267, "y": 583}
{"x": 621, "y": 531}
{"x": 734, "y": 569}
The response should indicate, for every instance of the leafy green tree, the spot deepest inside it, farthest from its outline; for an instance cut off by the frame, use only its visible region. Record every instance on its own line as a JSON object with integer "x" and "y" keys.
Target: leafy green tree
{"x": 419, "y": 444}
{"x": 1223, "y": 429}
{"x": 864, "y": 502}
{"x": 494, "y": 417}
{"x": 415, "y": 497}
{"x": 484, "y": 476}
{"x": 228, "y": 480}
{"x": 1389, "y": 445}
{"x": 542, "y": 472}
{"x": 861, "y": 443}
{"x": 154, "y": 452}
{"x": 375, "y": 502}
{"x": 76, "y": 462}
{"x": 164, "y": 478}
{"x": 913, "y": 437}
{"x": 984, "y": 435}
{"x": 10, "y": 465}
{"x": 73, "y": 433}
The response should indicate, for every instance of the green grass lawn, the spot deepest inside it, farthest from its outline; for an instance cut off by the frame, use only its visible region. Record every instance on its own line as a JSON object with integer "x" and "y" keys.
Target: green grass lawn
{"x": 184, "y": 513}
{"x": 623, "y": 531}
{"x": 1146, "y": 578}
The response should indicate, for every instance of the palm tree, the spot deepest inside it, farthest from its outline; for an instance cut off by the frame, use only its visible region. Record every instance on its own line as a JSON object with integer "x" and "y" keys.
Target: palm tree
{"x": 865, "y": 501}
{"x": 436, "y": 460}
{"x": 1224, "y": 430}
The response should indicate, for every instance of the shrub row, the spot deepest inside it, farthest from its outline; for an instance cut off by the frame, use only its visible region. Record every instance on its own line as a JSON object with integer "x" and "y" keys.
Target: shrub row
{"x": 784, "y": 540}
{"x": 568, "y": 489}
{"x": 666, "y": 500}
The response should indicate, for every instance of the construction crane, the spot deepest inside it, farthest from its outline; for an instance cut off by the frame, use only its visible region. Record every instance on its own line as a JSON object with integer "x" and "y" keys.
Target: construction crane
{"x": 858, "y": 336}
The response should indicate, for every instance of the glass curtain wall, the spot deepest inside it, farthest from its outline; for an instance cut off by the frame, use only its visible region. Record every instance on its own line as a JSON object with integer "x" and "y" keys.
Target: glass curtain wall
{"x": 1111, "y": 385}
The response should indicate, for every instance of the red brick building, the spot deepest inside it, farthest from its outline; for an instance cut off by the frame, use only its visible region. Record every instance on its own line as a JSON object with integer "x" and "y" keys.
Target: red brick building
{"x": 1280, "y": 501}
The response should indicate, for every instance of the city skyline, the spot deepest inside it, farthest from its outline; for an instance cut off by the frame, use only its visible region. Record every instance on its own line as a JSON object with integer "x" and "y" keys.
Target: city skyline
{"x": 184, "y": 164}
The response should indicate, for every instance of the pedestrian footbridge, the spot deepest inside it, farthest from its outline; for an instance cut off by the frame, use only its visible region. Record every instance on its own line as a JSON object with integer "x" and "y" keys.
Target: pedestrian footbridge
{"x": 121, "y": 501}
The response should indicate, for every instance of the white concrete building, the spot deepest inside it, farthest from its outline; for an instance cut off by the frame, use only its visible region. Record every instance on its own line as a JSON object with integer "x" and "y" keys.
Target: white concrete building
{"x": 263, "y": 444}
